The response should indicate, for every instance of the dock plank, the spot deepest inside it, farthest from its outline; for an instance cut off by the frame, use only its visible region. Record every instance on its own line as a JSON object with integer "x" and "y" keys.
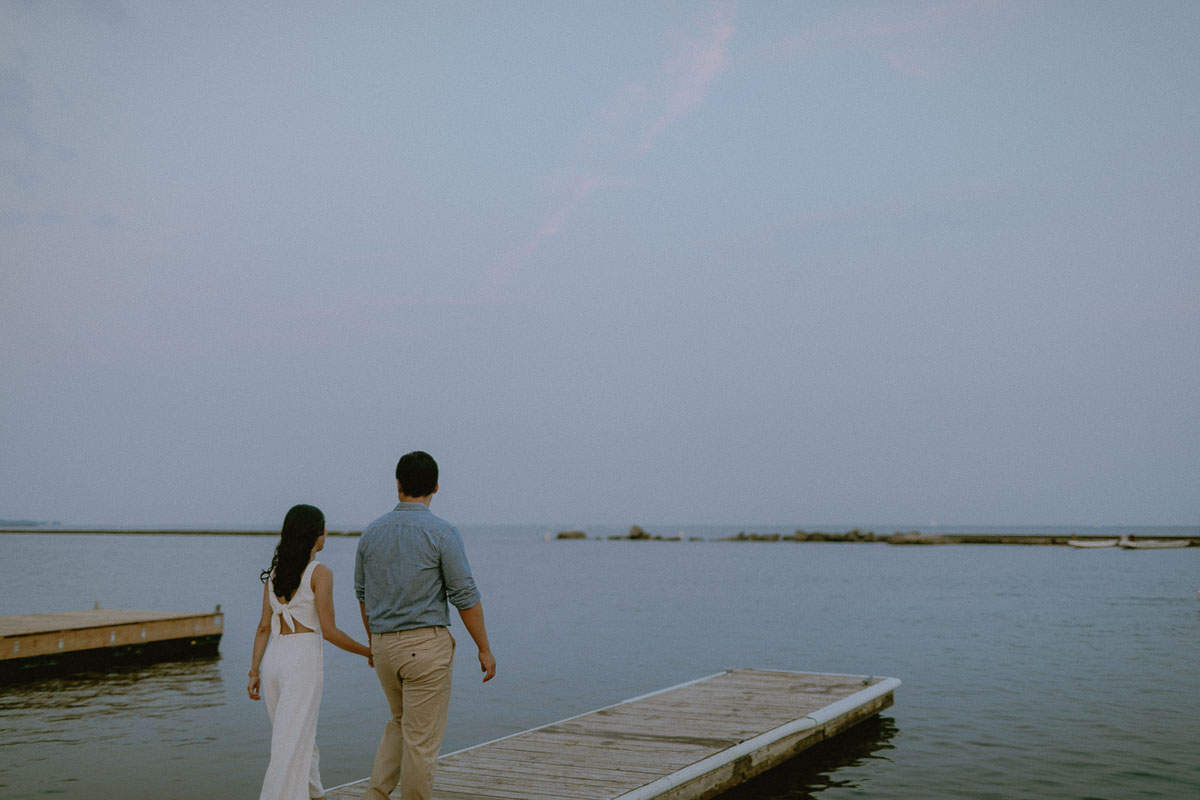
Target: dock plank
{"x": 687, "y": 742}
{"x": 54, "y": 621}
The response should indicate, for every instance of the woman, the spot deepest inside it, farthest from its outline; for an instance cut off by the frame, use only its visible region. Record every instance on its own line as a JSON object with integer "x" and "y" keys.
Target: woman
{"x": 297, "y": 612}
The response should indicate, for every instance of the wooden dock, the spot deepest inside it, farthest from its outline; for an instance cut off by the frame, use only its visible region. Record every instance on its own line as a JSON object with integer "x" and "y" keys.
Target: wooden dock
{"x": 687, "y": 742}
{"x": 36, "y": 644}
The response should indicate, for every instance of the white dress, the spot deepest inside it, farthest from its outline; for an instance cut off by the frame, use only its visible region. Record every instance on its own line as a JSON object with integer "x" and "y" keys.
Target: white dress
{"x": 292, "y": 677}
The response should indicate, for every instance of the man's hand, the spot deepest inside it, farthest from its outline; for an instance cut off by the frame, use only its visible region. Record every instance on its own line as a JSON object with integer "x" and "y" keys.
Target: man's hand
{"x": 487, "y": 664}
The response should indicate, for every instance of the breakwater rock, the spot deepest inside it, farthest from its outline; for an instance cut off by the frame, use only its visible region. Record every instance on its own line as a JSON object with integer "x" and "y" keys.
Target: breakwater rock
{"x": 915, "y": 538}
{"x": 853, "y": 535}
{"x": 571, "y": 535}
{"x": 638, "y": 534}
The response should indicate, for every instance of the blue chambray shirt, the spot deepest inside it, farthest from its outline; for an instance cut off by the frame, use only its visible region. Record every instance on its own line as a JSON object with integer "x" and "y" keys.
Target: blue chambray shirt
{"x": 408, "y": 564}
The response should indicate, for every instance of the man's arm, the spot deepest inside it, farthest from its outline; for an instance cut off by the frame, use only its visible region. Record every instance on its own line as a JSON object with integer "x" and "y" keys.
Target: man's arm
{"x": 473, "y": 620}
{"x": 362, "y": 609}
{"x": 360, "y": 592}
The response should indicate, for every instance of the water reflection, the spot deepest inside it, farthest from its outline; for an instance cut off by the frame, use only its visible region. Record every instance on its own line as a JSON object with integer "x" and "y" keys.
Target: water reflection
{"x": 47, "y": 710}
{"x": 825, "y": 766}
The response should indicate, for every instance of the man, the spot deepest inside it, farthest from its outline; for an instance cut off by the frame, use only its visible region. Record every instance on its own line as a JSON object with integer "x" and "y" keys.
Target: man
{"x": 409, "y": 563}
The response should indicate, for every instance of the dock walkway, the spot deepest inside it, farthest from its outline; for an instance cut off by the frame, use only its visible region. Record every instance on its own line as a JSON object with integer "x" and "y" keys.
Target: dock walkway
{"x": 687, "y": 742}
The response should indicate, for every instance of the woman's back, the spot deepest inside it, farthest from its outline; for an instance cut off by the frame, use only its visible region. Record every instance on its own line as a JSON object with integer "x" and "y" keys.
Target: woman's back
{"x": 301, "y": 608}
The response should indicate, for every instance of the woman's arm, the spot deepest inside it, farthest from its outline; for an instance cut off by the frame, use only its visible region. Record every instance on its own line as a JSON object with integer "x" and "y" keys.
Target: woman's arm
{"x": 322, "y": 585}
{"x": 260, "y": 646}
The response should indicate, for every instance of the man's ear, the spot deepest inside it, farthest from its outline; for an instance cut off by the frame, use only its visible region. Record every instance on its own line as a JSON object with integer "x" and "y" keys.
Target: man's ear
{"x": 435, "y": 488}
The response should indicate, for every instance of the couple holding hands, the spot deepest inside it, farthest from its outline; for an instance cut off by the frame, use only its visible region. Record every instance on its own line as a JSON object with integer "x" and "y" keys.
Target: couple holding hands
{"x": 409, "y": 563}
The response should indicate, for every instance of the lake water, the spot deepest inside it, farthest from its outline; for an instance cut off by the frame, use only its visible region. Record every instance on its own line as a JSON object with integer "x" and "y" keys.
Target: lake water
{"x": 1028, "y": 672}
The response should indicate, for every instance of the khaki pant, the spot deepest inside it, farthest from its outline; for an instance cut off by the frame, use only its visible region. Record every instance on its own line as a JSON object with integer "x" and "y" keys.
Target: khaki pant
{"x": 414, "y": 669}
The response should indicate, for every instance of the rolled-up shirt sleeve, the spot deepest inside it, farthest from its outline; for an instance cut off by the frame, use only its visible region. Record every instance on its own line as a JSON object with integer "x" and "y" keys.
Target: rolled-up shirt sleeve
{"x": 456, "y": 573}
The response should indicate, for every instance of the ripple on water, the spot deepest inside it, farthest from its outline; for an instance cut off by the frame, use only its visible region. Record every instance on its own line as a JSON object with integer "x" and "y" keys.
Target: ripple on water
{"x": 70, "y": 710}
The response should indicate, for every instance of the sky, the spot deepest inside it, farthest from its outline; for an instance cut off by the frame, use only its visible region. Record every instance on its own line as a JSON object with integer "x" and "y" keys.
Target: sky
{"x": 645, "y": 262}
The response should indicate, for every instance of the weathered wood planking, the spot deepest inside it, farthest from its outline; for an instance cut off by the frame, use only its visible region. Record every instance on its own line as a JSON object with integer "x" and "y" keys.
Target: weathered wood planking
{"x": 687, "y": 742}
{"x": 34, "y": 643}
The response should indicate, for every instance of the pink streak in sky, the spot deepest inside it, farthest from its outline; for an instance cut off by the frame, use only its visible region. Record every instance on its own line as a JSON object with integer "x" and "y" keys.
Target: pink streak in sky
{"x": 695, "y": 63}
{"x": 550, "y": 224}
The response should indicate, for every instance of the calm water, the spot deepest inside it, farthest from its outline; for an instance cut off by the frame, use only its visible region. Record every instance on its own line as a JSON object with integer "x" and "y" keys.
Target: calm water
{"x": 1028, "y": 672}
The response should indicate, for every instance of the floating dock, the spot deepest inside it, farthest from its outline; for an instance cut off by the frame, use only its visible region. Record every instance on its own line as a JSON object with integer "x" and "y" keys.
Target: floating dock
{"x": 687, "y": 742}
{"x": 32, "y": 645}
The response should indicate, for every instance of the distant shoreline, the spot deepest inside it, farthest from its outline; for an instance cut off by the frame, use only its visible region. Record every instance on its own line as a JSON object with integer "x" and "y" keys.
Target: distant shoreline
{"x": 158, "y": 532}
{"x": 907, "y": 538}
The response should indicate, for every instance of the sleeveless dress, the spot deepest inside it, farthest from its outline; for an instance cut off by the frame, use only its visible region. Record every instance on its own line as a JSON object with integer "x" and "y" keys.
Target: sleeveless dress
{"x": 292, "y": 677}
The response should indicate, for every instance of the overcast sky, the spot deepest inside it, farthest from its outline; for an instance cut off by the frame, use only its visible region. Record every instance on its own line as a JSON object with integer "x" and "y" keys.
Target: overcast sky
{"x": 614, "y": 262}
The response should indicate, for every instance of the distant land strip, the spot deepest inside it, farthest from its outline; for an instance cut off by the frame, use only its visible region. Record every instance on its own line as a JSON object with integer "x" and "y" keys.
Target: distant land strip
{"x": 159, "y": 532}
{"x": 636, "y": 533}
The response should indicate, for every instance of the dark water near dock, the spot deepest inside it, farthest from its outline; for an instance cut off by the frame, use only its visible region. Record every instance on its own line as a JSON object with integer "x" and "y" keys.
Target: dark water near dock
{"x": 1028, "y": 671}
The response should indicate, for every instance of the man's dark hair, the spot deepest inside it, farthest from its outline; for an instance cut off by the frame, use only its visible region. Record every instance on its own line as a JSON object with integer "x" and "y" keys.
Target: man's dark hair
{"x": 417, "y": 473}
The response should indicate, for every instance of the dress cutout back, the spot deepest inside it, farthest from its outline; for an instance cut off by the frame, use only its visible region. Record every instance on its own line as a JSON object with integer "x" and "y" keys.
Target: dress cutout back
{"x": 301, "y": 608}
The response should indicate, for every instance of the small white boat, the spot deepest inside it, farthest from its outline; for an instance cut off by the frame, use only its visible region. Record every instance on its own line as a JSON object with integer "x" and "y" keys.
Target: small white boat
{"x": 1152, "y": 544}
{"x": 1093, "y": 543}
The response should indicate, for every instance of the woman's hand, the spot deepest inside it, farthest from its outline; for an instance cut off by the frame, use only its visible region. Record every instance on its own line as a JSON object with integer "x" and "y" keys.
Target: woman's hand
{"x": 261, "y": 636}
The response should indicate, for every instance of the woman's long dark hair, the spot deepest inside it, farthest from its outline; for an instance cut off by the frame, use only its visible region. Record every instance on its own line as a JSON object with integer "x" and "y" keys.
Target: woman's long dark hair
{"x": 302, "y": 526}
